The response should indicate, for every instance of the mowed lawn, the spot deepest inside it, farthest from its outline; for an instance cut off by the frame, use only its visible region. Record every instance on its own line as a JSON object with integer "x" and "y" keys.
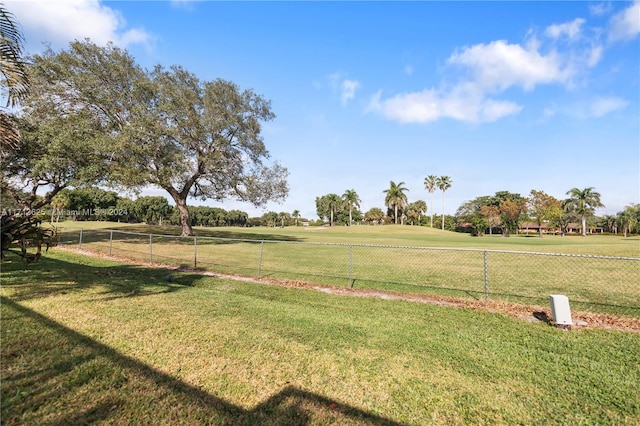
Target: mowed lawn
{"x": 391, "y": 258}
{"x": 397, "y": 235}
{"x": 91, "y": 340}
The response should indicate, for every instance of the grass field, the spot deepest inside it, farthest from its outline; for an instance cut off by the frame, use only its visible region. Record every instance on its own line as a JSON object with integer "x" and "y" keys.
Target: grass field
{"x": 392, "y": 258}
{"x": 605, "y": 245}
{"x": 90, "y": 340}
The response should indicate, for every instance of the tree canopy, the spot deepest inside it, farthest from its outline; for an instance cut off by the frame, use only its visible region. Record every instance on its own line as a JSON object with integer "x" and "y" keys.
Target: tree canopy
{"x": 163, "y": 127}
{"x": 395, "y": 198}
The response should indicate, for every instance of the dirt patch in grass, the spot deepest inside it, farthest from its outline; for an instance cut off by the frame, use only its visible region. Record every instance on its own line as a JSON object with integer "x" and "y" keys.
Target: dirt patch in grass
{"x": 528, "y": 313}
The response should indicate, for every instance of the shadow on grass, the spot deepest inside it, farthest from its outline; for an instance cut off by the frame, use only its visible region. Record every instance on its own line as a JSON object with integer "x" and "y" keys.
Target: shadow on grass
{"x": 54, "y": 375}
{"x": 174, "y": 231}
{"x": 50, "y": 277}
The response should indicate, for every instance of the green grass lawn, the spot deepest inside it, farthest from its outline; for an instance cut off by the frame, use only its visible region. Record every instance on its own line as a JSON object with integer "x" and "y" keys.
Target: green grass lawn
{"x": 400, "y": 235}
{"x": 391, "y": 258}
{"x": 90, "y": 340}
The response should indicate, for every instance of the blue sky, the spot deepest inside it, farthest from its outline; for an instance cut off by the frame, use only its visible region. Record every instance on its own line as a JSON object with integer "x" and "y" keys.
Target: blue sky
{"x": 497, "y": 95}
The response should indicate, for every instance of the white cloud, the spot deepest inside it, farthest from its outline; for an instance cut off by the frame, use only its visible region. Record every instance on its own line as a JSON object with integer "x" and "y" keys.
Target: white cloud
{"x": 492, "y": 110}
{"x": 594, "y": 56}
{"x": 463, "y": 103}
{"x": 59, "y": 22}
{"x": 571, "y": 29}
{"x": 348, "y": 90}
{"x": 603, "y": 106}
{"x": 344, "y": 87}
{"x": 599, "y": 9}
{"x": 500, "y": 65}
{"x": 625, "y": 25}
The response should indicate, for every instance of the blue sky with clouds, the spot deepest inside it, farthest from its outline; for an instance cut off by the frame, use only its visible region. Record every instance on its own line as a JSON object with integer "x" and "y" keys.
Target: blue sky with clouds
{"x": 497, "y": 95}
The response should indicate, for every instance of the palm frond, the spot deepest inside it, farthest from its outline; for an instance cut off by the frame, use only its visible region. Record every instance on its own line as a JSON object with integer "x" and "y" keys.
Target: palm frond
{"x": 13, "y": 68}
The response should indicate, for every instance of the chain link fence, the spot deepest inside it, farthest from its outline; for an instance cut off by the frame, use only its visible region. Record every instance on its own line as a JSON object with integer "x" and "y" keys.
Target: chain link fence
{"x": 592, "y": 283}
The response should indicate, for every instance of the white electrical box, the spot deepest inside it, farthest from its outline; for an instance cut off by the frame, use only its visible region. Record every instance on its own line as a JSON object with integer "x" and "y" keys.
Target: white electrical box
{"x": 560, "y": 310}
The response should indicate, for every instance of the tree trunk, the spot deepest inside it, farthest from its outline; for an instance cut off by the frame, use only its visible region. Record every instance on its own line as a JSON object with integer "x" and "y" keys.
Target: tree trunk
{"x": 443, "y": 210}
{"x": 540, "y": 229}
{"x": 185, "y": 219}
{"x": 584, "y": 226}
{"x": 350, "y": 216}
{"x": 395, "y": 213}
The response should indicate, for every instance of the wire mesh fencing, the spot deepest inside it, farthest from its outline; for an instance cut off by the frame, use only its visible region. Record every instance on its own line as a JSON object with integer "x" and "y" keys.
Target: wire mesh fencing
{"x": 592, "y": 283}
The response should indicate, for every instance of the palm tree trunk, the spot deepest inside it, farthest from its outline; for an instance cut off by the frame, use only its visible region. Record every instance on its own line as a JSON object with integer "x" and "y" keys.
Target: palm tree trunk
{"x": 395, "y": 213}
{"x": 442, "y": 210}
{"x": 432, "y": 209}
{"x": 584, "y": 225}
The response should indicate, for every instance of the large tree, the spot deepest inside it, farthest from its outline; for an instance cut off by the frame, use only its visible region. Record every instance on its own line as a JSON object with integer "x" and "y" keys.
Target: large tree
{"x": 431, "y": 184}
{"x": 629, "y": 218}
{"x": 395, "y": 198}
{"x": 415, "y": 211}
{"x": 583, "y": 202}
{"x": 542, "y": 207}
{"x": 443, "y": 183}
{"x": 165, "y": 127}
{"x": 328, "y": 206}
{"x": 351, "y": 199}
{"x": 374, "y": 214}
{"x": 471, "y": 212}
{"x": 511, "y": 208}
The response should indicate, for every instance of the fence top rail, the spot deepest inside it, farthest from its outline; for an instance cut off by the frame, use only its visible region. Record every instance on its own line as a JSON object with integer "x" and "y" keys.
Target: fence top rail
{"x": 317, "y": 243}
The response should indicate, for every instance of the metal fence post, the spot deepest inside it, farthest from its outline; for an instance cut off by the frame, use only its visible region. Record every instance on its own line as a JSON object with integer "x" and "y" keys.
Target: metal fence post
{"x": 260, "y": 258}
{"x": 195, "y": 251}
{"x": 80, "y": 240}
{"x": 150, "y": 247}
{"x": 110, "y": 241}
{"x": 486, "y": 278}
{"x": 350, "y": 266}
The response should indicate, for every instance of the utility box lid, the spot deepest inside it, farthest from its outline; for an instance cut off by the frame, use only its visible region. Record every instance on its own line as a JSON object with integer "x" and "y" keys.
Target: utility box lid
{"x": 560, "y": 310}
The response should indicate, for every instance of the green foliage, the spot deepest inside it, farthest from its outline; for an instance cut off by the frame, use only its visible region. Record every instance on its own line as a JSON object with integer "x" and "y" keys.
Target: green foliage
{"x": 192, "y": 138}
{"x": 629, "y": 219}
{"x": 415, "y": 211}
{"x": 24, "y": 231}
{"x": 328, "y": 206}
{"x": 583, "y": 202}
{"x": 374, "y": 215}
{"x": 396, "y": 199}
{"x": 14, "y": 82}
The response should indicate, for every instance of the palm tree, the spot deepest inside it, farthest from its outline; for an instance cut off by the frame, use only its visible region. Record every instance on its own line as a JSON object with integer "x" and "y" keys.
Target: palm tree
{"x": 628, "y": 218}
{"x": 296, "y": 216}
{"x": 584, "y": 202}
{"x": 415, "y": 210}
{"x": 431, "y": 184}
{"x": 395, "y": 198}
{"x": 14, "y": 75}
{"x": 350, "y": 197}
{"x": 333, "y": 202}
{"x": 443, "y": 183}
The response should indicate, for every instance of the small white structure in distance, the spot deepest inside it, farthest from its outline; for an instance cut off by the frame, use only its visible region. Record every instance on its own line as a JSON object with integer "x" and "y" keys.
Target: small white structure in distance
{"x": 560, "y": 310}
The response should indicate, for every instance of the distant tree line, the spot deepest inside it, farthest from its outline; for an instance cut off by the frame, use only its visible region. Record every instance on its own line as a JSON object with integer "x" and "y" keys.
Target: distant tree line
{"x": 502, "y": 213}
{"x": 83, "y": 204}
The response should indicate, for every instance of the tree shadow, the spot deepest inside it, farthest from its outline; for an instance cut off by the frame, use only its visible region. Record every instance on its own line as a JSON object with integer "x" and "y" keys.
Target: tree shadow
{"x": 128, "y": 391}
{"x": 228, "y": 233}
{"x": 51, "y": 277}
